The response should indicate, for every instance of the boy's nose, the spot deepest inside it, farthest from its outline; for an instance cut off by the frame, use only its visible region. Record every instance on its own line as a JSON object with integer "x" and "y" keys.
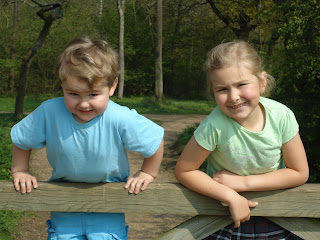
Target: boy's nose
{"x": 84, "y": 104}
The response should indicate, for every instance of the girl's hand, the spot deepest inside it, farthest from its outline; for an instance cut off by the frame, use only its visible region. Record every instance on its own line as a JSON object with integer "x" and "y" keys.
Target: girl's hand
{"x": 240, "y": 210}
{"x": 231, "y": 180}
{"x": 138, "y": 182}
{"x": 24, "y": 181}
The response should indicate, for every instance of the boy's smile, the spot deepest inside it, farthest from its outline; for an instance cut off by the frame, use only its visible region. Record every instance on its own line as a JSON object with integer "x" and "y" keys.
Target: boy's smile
{"x": 82, "y": 101}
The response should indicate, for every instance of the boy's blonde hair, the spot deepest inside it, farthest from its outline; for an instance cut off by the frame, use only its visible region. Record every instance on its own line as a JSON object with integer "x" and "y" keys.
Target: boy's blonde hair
{"x": 240, "y": 53}
{"x": 91, "y": 60}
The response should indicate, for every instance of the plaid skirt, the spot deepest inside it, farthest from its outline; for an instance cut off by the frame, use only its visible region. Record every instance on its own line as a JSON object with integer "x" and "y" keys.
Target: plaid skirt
{"x": 257, "y": 228}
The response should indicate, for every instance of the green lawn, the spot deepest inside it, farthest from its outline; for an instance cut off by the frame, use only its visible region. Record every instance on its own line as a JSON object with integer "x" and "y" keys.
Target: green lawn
{"x": 141, "y": 104}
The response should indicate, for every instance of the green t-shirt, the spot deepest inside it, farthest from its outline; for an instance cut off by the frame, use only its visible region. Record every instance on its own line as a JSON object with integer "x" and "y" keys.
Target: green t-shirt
{"x": 238, "y": 150}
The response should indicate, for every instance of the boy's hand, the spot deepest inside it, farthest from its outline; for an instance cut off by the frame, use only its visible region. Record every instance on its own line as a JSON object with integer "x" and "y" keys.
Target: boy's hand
{"x": 138, "y": 181}
{"x": 231, "y": 180}
{"x": 24, "y": 181}
{"x": 240, "y": 210}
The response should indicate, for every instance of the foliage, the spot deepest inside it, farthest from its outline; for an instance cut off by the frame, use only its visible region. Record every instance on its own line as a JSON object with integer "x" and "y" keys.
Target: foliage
{"x": 298, "y": 73}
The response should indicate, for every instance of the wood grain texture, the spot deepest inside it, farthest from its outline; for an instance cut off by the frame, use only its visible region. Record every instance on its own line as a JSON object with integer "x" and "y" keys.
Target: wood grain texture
{"x": 197, "y": 227}
{"x": 306, "y": 228}
{"x": 159, "y": 198}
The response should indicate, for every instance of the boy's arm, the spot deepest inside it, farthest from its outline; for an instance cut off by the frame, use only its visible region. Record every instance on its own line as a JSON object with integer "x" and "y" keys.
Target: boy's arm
{"x": 296, "y": 172}
{"x": 149, "y": 171}
{"x": 22, "y": 179}
{"x": 187, "y": 173}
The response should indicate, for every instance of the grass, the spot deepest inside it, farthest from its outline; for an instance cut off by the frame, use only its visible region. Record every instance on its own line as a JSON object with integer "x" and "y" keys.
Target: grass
{"x": 143, "y": 105}
{"x": 9, "y": 220}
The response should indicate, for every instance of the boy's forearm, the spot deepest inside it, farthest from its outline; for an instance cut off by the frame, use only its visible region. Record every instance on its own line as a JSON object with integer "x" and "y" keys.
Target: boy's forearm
{"x": 20, "y": 159}
{"x": 152, "y": 164}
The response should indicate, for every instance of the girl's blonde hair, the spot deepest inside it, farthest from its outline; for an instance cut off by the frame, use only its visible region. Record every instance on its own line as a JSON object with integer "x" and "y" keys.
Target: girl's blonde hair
{"x": 91, "y": 60}
{"x": 240, "y": 53}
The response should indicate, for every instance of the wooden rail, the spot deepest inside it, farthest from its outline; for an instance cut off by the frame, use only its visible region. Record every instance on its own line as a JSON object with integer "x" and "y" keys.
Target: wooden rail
{"x": 294, "y": 209}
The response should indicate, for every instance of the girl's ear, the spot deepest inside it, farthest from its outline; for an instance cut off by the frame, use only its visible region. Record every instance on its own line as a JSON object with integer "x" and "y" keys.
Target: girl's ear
{"x": 263, "y": 82}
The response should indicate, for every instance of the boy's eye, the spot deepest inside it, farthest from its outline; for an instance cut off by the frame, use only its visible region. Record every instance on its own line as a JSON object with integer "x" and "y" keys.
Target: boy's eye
{"x": 73, "y": 94}
{"x": 93, "y": 94}
{"x": 221, "y": 89}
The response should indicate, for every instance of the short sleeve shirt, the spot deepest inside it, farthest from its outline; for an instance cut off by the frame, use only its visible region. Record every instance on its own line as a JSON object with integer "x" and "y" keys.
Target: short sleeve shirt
{"x": 91, "y": 152}
{"x": 238, "y": 150}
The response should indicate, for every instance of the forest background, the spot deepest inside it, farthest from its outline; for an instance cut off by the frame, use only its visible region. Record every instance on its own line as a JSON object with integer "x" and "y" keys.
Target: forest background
{"x": 286, "y": 34}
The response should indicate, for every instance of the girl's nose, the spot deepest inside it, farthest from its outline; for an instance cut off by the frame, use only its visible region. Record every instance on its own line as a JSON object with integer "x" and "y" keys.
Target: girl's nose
{"x": 234, "y": 96}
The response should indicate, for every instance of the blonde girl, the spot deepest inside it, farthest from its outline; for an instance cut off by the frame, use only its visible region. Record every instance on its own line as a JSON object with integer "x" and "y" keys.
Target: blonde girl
{"x": 252, "y": 143}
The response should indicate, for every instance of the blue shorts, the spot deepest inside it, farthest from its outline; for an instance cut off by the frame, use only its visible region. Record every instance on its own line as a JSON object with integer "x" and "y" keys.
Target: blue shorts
{"x": 87, "y": 226}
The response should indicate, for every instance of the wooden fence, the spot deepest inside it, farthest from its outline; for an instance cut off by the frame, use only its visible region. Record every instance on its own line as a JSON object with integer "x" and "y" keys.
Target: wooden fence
{"x": 293, "y": 209}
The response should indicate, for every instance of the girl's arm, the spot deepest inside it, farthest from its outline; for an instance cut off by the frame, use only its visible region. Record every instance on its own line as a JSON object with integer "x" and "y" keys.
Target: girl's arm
{"x": 296, "y": 172}
{"x": 22, "y": 179}
{"x": 148, "y": 172}
{"x": 187, "y": 173}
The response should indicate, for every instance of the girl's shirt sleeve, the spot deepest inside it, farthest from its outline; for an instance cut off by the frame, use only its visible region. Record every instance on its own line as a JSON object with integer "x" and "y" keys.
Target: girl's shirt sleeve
{"x": 206, "y": 135}
{"x": 289, "y": 126}
{"x": 30, "y": 132}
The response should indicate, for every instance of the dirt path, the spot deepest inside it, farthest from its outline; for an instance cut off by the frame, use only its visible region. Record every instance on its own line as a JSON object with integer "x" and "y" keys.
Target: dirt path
{"x": 142, "y": 226}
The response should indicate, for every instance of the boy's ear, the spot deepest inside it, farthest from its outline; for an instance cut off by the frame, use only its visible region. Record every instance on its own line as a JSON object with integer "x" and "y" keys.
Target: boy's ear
{"x": 113, "y": 87}
{"x": 263, "y": 82}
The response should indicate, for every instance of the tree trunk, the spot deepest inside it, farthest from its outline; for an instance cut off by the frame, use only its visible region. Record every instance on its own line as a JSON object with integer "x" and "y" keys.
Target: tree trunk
{"x": 158, "y": 53}
{"x": 13, "y": 47}
{"x": 22, "y": 83}
{"x": 121, "y": 4}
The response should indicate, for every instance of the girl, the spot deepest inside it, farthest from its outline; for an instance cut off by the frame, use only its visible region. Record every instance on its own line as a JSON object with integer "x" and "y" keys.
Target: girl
{"x": 251, "y": 143}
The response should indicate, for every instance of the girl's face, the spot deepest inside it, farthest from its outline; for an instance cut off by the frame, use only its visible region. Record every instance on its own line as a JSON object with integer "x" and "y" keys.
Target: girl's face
{"x": 237, "y": 92}
{"x": 82, "y": 101}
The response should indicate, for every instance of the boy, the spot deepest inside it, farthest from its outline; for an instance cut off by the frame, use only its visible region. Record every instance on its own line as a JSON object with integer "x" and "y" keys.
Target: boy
{"x": 86, "y": 135}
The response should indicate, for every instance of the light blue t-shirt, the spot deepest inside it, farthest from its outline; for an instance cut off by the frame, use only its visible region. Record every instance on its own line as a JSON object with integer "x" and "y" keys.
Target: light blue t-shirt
{"x": 241, "y": 151}
{"x": 90, "y": 152}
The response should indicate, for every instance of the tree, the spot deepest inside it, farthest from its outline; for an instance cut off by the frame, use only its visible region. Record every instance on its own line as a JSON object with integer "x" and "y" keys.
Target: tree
{"x": 296, "y": 66}
{"x": 241, "y": 18}
{"x": 13, "y": 46}
{"x": 55, "y": 13}
{"x": 158, "y": 52}
{"x": 121, "y": 4}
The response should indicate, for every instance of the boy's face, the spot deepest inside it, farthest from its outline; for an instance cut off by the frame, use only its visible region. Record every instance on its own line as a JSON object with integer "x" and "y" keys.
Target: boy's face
{"x": 82, "y": 101}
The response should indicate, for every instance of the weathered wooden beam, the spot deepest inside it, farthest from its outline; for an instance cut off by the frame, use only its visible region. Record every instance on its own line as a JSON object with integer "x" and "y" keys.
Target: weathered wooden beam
{"x": 159, "y": 198}
{"x": 195, "y": 228}
{"x": 306, "y": 228}
{"x": 202, "y": 226}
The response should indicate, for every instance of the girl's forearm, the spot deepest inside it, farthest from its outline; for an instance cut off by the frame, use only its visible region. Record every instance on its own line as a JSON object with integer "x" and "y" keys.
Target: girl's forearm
{"x": 280, "y": 179}
{"x": 200, "y": 182}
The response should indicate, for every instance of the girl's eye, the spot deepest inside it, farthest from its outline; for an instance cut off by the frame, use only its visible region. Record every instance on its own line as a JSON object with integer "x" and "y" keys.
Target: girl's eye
{"x": 93, "y": 94}
{"x": 73, "y": 94}
{"x": 242, "y": 84}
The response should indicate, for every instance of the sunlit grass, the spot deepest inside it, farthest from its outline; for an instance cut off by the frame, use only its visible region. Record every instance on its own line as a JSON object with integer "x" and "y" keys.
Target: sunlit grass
{"x": 142, "y": 104}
